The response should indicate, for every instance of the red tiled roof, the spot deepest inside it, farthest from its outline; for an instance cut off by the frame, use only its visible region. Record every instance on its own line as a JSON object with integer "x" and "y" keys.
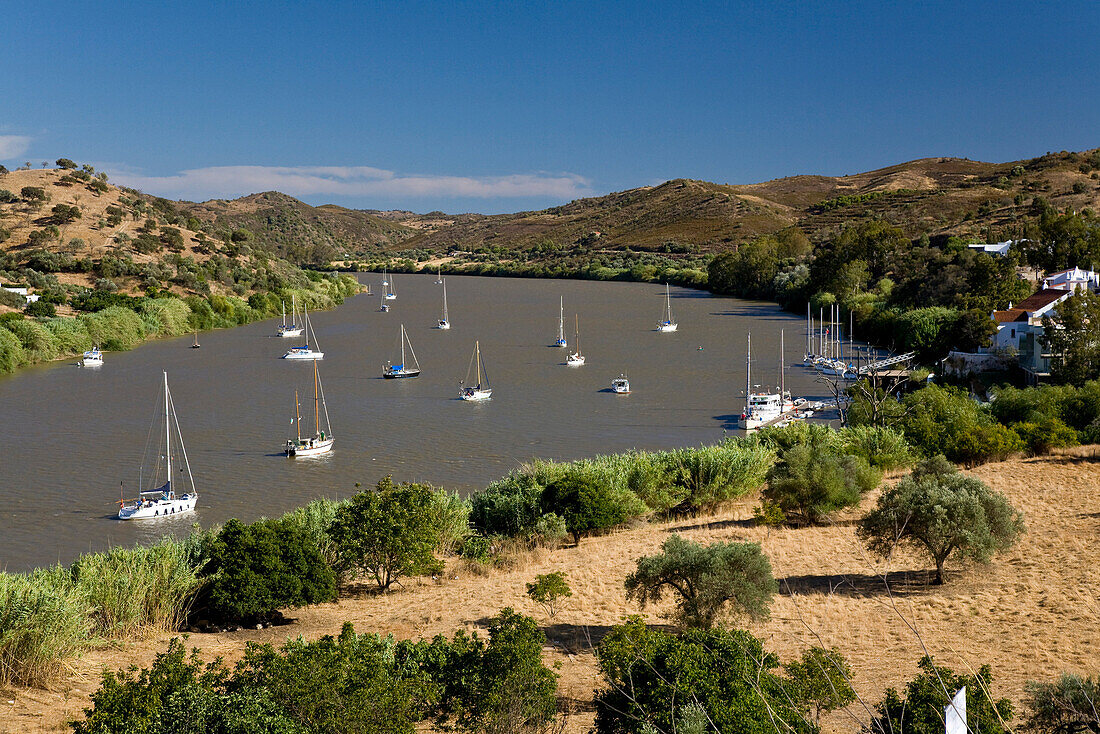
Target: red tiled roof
{"x": 1041, "y": 298}
{"x": 1012, "y": 314}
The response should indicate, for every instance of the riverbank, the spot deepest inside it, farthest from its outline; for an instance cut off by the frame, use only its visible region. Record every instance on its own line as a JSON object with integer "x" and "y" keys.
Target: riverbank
{"x": 123, "y": 322}
{"x": 1009, "y": 614}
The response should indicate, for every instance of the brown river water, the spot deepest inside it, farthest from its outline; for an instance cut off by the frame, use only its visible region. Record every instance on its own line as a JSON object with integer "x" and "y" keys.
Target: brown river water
{"x": 71, "y": 435}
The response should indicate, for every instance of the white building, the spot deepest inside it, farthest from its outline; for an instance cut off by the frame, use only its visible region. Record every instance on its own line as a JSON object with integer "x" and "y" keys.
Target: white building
{"x": 22, "y": 291}
{"x": 997, "y": 248}
{"x": 1072, "y": 279}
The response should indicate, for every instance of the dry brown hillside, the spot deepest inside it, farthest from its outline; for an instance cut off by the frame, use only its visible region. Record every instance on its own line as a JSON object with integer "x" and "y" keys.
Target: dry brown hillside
{"x": 1032, "y": 614}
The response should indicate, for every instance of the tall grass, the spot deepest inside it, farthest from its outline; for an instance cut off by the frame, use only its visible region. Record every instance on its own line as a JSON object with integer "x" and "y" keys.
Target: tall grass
{"x": 43, "y": 623}
{"x": 314, "y": 520}
{"x": 710, "y": 475}
{"x": 131, "y": 590}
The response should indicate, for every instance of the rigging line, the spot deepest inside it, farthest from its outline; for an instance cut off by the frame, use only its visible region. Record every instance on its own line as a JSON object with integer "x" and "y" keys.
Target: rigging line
{"x": 183, "y": 449}
{"x": 321, "y": 387}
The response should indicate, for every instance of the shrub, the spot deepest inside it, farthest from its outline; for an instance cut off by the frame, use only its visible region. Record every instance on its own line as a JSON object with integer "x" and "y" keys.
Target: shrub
{"x": 115, "y": 328}
{"x": 927, "y": 695}
{"x": 548, "y": 590}
{"x": 714, "y": 474}
{"x": 509, "y": 506}
{"x": 1065, "y": 706}
{"x": 882, "y": 448}
{"x": 707, "y": 580}
{"x": 653, "y": 679}
{"x": 945, "y": 421}
{"x": 257, "y": 569}
{"x": 33, "y": 193}
{"x": 41, "y": 309}
{"x": 813, "y": 483}
{"x": 944, "y": 513}
{"x": 1047, "y": 433}
{"x": 65, "y": 163}
{"x": 388, "y": 533}
{"x": 64, "y": 213}
{"x": 12, "y": 354}
{"x": 822, "y": 679}
{"x": 588, "y": 502}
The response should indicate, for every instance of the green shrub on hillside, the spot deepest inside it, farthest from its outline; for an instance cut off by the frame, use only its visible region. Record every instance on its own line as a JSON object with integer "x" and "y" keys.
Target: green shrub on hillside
{"x": 588, "y": 501}
{"x": 257, "y": 569}
{"x": 655, "y": 680}
{"x": 811, "y": 482}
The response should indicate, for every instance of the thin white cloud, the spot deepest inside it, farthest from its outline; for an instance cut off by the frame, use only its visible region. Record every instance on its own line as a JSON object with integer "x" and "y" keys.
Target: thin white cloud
{"x": 218, "y": 182}
{"x": 13, "y": 146}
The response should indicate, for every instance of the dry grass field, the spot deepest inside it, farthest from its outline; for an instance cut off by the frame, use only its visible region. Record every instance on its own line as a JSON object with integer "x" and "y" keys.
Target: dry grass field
{"x": 1032, "y": 614}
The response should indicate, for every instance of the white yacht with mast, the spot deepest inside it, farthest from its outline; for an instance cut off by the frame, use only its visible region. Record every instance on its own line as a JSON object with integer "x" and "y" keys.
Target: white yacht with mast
{"x": 305, "y": 351}
{"x": 561, "y": 324}
{"x": 763, "y": 408}
{"x": 322, "y": 441}
{"x": 439, "y": 275}
{"x": 291, "y": 329}
{"x": 444, "y": 322}
{"x": 388, "y": 292}
{"x": 479, "y": 390}
{"x": 668, "y": 324}
{"x": 394, "y": 371}
{"x": 163, "y": 501}
{"x": 576, "y": 359}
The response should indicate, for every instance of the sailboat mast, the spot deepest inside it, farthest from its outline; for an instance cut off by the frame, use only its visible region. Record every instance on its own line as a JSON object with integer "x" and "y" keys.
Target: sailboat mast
{"x": 297, "y": 415}
{"x": 444, "y": 299}
{"x": 782, "y": 384}
{"x": 284, "y": 312}
{"x": 748, "y": 371}
{"x": 402, "y": 345}
{"x": 577, "y": 331}
{"x": 561, "y": 318}
{"x": 316, "y": 404}
{"x": 477, "y": 358}
{"x": 167, "y": 433}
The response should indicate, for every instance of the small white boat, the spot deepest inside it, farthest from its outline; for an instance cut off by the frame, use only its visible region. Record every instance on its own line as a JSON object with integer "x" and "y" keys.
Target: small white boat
{"x": 620, "y": 385}
{"x": 92, "y": 358}
{"x": 305, "y": 351}
{"x": 385, "y": 280}
{"x": 667, "y": 324}
{"x": 322, "y": 441}
{"x": 766, "y": 408}
{"x": 444, "y": 322}
{"x": 163, "y": 501}
{"x": 385, "y": 306}
{"x": 387, "y": 291}
{"x": 561, "y": 324}
{"x": 479, "y": 390}
{"x": 392, "y": 371}
{"x": 439, "y": 276}
{"x": 292, "y": 329}
{"x": 576, "y": 359}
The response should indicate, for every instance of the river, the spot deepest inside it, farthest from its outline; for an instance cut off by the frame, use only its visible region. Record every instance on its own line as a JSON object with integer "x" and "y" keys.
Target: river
{"x": 71, "y": 434}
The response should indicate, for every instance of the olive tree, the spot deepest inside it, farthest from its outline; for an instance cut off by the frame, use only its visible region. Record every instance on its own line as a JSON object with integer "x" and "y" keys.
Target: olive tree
{"x": 548, "y": 590}
{"x": 706, "y": 580}
{"x": 944, "y": 513}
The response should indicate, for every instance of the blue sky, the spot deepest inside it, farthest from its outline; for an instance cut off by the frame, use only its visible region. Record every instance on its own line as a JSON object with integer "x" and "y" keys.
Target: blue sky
{"x": 498, "y": 107}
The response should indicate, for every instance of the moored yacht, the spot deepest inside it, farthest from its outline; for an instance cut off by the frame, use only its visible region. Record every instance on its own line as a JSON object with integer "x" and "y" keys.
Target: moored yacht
{"x": 620, "y": 385}
{"x": 321, "y": 442}
{"x": 92, "y": 358}
{"x": 305, "y": 351}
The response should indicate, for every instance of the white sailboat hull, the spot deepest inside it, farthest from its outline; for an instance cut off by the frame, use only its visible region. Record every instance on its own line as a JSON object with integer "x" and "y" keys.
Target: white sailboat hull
{"x": 155, "y": 509}
{"x": 92, "y": 362}
{"x": 300, "y": 353}
{"x": 561, "y": 343}
{"x": 290, "y": 331}
{"x": 444, "y": 324}
{"x": 666, "y": 327}
{"x": 309, "y": 447}
{"x": 391, "y": 296}
{"x": 575, "y": 360}
{"x": 476, "y": 393}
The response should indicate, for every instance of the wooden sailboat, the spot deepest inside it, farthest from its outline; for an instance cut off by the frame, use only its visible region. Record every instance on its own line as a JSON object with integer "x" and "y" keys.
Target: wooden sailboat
{"x": 305, "y": 351}
{"x": 561, "y": 324}
{"x": 393, "y": 371}
{"x": 163, "y": 500}
{"x": 444, "y": 321}
{"x": 668, "y": 324}
{"x": 576, "y": 359}
{"x": 292, "y": 329}
{"x": 479, "y": 390}
{"x": 322, "y": 441}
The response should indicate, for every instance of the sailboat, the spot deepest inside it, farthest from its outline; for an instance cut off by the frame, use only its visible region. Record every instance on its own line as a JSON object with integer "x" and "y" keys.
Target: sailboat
{"x": 163, "y": 501}
{"x": 576, "y": 359}
{"x": 322, "y": 441}
{"x": 444, "y": 322}
{"x": 439, "y": 275}
{"x": 196, "y": 345}
{"x": 393, "y": 371}
{"x": 668, "y": 324}
{"x": 561, "y": 324}
{"x": 387, "y": 291}
{"x": 478, "y": 391}
{"x": 385, "y": 306}
{"x": 764, "y": 408}
{"x": 385, "y": 280}
{"x": 305, "y": 351}
{"x": 291, "y": 329}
